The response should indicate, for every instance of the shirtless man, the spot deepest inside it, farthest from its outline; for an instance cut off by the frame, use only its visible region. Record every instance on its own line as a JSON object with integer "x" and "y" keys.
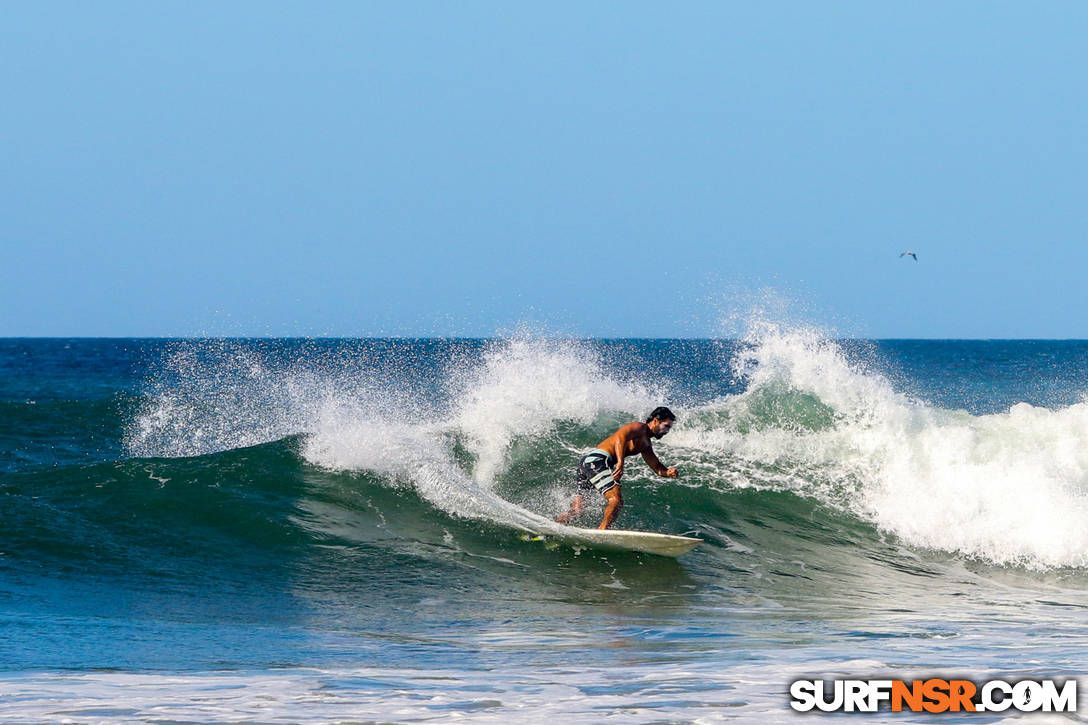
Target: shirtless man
{"x": 602, "y": 467}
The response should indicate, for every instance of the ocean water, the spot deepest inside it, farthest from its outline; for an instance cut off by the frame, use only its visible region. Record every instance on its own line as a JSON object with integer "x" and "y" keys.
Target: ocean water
{"x": 333, "y": 531}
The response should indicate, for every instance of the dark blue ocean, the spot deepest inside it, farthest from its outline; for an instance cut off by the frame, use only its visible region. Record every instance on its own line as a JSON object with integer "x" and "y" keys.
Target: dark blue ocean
{"x": 334, "y": 531}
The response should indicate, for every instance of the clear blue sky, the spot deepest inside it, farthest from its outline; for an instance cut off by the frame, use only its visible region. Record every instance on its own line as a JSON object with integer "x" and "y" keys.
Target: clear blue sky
{"x": 597, "y": 169}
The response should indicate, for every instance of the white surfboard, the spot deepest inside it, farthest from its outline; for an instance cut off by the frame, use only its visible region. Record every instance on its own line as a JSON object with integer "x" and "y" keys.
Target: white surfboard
{"x": 620, "y": 540}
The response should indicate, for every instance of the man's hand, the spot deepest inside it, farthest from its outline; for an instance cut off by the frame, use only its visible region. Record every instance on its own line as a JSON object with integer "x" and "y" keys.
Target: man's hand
{"x": 618, "y": 473}
{"x": 671, "y": 473}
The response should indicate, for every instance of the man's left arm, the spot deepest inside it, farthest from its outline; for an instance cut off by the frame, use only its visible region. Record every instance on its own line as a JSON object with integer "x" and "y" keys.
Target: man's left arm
{"x": 658, "y": 467}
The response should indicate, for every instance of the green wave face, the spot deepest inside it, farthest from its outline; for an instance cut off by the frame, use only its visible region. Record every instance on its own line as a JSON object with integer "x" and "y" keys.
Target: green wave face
{"x": 808, "y": 474}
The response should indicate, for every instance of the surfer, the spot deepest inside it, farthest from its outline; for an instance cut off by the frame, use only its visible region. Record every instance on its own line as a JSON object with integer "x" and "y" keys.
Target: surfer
{"x": 602, "y": 467}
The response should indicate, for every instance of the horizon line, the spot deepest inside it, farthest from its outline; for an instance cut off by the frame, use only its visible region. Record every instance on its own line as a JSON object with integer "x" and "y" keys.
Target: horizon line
{"x": 467, "y": 338}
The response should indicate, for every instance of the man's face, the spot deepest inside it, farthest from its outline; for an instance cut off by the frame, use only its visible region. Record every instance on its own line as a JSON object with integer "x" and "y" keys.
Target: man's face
{"x": 662, "y": 427}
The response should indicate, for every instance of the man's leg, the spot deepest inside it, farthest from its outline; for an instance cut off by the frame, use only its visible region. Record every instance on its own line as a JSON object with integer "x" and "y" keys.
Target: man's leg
{"x": 612, "y": 510}
{"x": 575, "y": 511}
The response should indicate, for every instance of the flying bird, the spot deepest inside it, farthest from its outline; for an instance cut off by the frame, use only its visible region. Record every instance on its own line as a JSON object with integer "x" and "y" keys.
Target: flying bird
{"x": 910, "y": 253}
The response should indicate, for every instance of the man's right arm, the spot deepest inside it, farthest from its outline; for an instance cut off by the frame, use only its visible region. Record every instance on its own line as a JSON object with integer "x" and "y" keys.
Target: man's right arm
{"x": 655, "y": 463}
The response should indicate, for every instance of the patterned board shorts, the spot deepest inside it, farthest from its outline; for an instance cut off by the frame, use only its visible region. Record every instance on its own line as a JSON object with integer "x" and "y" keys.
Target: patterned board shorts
{"x": 595, "y": 471}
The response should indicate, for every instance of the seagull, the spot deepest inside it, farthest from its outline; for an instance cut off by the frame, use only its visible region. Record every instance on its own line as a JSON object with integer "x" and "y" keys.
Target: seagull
{"x": 908, "y": 252}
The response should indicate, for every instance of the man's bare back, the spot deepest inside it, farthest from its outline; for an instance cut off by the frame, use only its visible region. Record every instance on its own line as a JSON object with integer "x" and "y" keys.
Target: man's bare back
{"x": 630, "y": 439}
{"x": 635, "y": 438}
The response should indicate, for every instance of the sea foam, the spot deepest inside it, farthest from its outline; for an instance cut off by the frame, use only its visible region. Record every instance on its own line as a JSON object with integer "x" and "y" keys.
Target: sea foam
{"x": 1008, "y": 488}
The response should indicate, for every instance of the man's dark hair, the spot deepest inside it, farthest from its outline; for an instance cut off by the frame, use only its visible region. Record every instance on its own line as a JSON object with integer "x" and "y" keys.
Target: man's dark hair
{"x": 661, "y": 413}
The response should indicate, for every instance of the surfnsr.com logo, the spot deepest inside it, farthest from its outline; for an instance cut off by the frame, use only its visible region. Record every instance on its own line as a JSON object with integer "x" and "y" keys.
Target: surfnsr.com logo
{"x": 933, "y": 695}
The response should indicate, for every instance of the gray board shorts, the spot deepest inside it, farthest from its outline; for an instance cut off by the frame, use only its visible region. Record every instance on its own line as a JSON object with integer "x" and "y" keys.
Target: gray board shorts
{"x": 595, "y": 471}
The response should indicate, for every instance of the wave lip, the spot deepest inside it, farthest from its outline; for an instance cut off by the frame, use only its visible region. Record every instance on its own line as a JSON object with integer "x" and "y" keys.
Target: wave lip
{"x": 1008, "y": 488}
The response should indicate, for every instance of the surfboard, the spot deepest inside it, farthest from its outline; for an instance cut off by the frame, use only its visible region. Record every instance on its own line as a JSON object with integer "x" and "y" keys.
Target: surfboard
{"x": 646, "y": 542}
